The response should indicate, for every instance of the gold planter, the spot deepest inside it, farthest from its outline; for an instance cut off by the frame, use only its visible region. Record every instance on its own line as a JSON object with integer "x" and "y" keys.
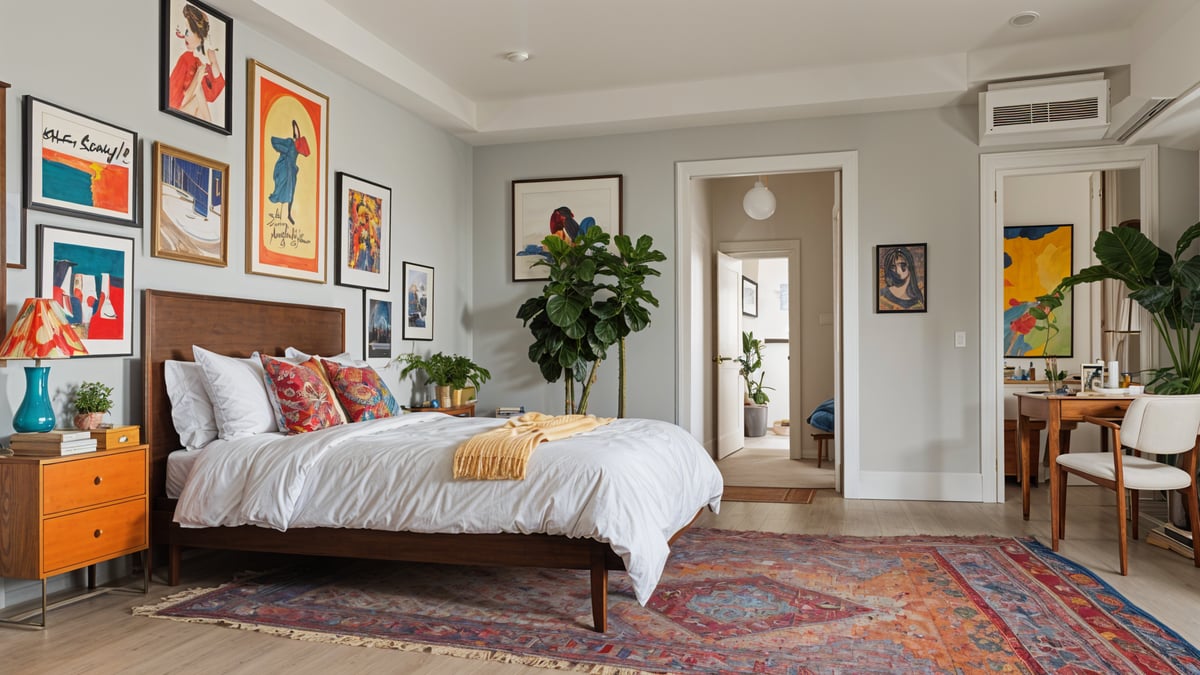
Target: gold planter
{"x": 459, "y": 396}
{"x": 443, "y": 395}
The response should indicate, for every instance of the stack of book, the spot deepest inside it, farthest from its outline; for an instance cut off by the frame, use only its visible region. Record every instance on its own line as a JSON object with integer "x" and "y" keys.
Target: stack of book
{"x": 1173, "y": 538}
{"x": 511, "y": 411}
{"x": 56, "y": 443}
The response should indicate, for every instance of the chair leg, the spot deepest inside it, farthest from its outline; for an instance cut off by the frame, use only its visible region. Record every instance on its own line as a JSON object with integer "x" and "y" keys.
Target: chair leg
{"x": 1133, "y": 511}
{"x": 1121, "y": 530}
{"x": 1057, "y": 506}
{"x": 1189, "y": 496}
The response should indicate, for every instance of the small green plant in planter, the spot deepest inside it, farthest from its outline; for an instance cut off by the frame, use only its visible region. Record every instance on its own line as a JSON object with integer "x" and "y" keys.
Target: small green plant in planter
{"x": 446, "y": 371}
{"x": 92, "y": 402}
{"x": 751, "y": 361}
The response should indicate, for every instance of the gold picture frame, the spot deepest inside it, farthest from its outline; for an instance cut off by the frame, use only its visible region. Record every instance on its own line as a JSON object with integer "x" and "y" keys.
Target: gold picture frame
{"x": 190, "y": 219}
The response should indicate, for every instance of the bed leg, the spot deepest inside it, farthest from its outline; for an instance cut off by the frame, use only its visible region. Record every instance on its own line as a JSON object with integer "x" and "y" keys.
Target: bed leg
{"x": 599, "y": 589}
{"x": 174, "y": 563}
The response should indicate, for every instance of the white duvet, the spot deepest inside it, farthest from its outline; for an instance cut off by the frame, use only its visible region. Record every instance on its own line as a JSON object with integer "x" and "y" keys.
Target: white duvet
{"x": 632, "y": 484}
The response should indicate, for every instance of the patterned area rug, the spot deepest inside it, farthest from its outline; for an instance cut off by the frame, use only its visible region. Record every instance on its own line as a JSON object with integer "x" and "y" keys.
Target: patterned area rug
{"x": 730, "y": 602}
{"x": 774, "y": 495}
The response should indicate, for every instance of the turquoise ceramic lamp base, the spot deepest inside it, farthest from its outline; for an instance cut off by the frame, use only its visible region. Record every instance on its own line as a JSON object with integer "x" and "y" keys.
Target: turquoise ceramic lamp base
{"x": 35, "y": 413}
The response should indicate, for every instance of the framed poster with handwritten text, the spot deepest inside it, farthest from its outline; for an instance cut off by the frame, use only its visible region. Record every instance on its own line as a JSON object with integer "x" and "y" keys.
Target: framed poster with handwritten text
{"x": 80, "y": 166}
{"x": 287, "y": 163}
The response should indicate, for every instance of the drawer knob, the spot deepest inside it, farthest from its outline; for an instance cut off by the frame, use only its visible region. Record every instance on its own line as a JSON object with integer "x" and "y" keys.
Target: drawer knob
{"x": 97, "y": 533}
{"x": 122, "y": 439}
{"x": 97, "y": 480}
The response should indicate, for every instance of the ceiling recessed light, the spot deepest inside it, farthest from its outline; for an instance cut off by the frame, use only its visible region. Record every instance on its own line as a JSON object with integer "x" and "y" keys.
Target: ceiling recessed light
{"x": 1024, "y": 18}
{"x": 517, "y": 57}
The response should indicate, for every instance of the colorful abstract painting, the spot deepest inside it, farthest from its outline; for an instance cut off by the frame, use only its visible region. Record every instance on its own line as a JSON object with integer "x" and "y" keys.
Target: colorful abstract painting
{"x": 563, "y": 207}
{"x": 190, "y": 220}
{"x": 79, "y": 166}
{"x": 1036, "y": 259}
{"x": 287, "y": 163}
{"x": 90, "y": 276}
{"x": 364, "y": 215}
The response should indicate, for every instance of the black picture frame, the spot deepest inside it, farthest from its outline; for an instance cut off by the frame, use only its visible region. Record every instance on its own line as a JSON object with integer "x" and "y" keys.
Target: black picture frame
{"x": 749, "y": 297}
{"x": 907, "y": 294}
{"x": 418, "y": 302}
{"x": 174, "y": 32}
{"x": 100, "y": 267}
{"x": 80, "y": 148}
{"x": 537, "y": 212}
{"x": 373, "y": 201}
{"x": 379, "y": 321}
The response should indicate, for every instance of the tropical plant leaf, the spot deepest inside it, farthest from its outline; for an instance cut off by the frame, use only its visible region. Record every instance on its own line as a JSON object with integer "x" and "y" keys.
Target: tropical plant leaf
{"x": 1185, "y": 240}
{"x": 563, "y": 311}
{"x": 1127, "y": 252}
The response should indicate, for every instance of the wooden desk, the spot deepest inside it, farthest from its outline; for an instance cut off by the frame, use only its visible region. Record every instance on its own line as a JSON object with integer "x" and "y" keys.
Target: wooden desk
{"x": 1055, "y": 410}
{"x": 464, "y": 410}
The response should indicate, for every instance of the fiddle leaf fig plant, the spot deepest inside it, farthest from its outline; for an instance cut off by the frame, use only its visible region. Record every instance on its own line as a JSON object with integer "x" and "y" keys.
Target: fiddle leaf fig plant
{"x": 751, "y": 362}
{"x": 1167, "y": 286}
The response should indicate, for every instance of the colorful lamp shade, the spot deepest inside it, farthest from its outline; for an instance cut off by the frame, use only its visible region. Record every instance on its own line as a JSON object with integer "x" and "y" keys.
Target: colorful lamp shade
{"x": 40, "y": 332}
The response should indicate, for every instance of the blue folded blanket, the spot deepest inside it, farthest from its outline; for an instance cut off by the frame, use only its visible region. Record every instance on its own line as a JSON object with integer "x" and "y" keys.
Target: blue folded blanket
{"x": 822, "y": 416}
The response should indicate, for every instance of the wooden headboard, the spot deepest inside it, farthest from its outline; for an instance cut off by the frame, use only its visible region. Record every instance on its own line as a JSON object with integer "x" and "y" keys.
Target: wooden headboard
{"x": 173, "y": 322}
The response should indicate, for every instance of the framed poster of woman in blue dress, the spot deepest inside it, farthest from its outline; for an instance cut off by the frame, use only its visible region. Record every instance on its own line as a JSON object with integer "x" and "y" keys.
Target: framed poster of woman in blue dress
{"x": 287, "y": 158}
{"x": 900, "y": 278}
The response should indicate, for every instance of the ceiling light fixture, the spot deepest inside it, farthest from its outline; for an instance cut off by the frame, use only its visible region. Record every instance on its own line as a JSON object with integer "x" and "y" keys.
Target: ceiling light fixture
{"x": 759, "y": 202}
{"x": 1024, "y": 18}
{"x": 517, "y": 57}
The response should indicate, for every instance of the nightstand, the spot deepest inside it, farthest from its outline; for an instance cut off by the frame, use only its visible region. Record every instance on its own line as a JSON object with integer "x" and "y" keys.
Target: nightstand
{"x": 60, "y": 514}
{"x": 465, "y": 410}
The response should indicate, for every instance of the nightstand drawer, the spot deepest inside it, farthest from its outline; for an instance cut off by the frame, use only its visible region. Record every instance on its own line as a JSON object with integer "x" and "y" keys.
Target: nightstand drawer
{"x": 80, "y": 538}
{"x": 95, "y": 480}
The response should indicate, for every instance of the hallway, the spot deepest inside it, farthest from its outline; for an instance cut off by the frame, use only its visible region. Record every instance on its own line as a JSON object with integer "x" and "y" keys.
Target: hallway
{"x": 763, "y": 462}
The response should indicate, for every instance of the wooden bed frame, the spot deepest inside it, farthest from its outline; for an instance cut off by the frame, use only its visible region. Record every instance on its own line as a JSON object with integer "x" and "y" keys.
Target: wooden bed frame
{"x": 173, "y": 322}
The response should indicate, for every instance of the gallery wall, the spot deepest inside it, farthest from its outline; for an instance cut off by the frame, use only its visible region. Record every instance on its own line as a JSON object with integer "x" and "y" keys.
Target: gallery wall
{"x": 67, "y": 53}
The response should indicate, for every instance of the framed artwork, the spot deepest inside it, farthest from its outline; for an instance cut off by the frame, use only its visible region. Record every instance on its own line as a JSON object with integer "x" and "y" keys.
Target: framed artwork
{"x": 1036, "y": 259}
{"x": 418, "y": 302}
{"x": 900, "y": 278}
{"x": 190, "y": 220}
{"x": 195, "y": 64}
{"x": 14, "y": 232}
{"x": 286, "y": 176}
{"x": 91, "y": 277}
{"x": 749, "y": 297}
{"x": 563, "y": 207}
{"x": 79, "y": 166}
{"x": 1091, "y": 376}
{"x": 364, "y": 233}
{"x": 377, "y": 313}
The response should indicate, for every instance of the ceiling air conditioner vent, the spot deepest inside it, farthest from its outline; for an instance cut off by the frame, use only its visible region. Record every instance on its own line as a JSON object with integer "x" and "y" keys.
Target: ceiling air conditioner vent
{"x": 1040, "y": 111}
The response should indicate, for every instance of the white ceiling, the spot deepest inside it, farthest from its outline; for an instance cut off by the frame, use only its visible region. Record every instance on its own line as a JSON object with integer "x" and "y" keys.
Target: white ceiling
{"x": 600, "y": 66}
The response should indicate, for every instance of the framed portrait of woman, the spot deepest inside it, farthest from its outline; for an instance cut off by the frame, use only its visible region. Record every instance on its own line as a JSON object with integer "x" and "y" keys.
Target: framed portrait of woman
{"x": 287, "y": 171}
{"x": 901, "y": 278}
{"x": 195, "y": 64}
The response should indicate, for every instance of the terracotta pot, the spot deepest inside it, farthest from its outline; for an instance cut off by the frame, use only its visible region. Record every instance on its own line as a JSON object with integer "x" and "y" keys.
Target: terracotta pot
{"x": 89, "y": 421}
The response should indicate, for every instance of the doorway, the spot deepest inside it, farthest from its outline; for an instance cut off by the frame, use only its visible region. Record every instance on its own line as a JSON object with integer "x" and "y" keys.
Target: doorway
{"x": 694, "y": 284}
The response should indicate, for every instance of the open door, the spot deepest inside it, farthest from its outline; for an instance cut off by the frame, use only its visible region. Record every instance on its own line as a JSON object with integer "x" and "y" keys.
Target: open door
{"x": 730, "y": 425}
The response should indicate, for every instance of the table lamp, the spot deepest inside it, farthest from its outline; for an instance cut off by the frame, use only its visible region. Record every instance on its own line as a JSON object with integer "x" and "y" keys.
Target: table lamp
{"x": 40, "y": 332}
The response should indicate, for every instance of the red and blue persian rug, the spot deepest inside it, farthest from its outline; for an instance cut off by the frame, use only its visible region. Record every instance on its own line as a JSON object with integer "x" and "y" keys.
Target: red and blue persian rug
{"x": 729, "y": 602}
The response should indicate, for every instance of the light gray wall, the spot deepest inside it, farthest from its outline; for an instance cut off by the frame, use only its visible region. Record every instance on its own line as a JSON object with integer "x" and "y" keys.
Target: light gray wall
{"x": 918, "y": 181}
{"x": 101, "y": 59}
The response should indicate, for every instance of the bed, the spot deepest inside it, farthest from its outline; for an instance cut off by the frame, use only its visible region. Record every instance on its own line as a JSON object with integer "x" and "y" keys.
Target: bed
{"x": 174, "y": 322}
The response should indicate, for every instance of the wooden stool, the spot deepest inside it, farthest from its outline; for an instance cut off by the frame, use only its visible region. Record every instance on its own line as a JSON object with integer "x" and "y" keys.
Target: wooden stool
{"x": 822, "y": 440}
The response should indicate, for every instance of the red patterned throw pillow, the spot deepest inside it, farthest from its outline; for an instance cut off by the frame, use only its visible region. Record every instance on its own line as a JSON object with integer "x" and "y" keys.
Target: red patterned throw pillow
{"x": 361, "y": 391}
{"x": 303, "y": 397}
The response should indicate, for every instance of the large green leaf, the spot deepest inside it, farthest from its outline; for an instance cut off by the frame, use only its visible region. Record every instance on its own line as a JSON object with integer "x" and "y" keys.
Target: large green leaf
{"x": 563, "y": 311}
{"x": 1127, "y": 252}
{"x": 606, "y": 332}
{"x": 1186, "y": 273}
{"x": 1154, "y": 298}
{"x": 1185, "y": 240}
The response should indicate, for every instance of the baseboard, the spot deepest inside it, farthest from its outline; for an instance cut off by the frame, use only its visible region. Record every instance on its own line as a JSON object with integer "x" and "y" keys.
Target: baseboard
{"x": 943, "y": 487}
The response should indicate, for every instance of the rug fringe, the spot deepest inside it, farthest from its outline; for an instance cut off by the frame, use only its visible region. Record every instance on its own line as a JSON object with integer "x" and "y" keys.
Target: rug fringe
{"x": 378, "y": 643}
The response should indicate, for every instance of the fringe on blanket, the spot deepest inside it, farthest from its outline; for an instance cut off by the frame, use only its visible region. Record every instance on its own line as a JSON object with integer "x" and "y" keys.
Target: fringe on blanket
{"x": 503, "y": 453}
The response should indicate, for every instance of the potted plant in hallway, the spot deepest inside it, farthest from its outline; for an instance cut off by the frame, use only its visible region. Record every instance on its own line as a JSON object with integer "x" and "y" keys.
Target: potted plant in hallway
{"x": 751, "y": 362}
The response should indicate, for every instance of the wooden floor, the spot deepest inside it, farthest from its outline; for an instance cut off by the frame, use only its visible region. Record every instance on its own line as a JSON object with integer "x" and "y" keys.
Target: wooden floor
{"x": 100, "y": 636}
{"x": 764, "y": 462}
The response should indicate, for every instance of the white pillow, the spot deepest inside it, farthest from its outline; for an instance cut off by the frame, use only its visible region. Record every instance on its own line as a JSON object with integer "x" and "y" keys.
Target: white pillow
{"x": 191, "y": 409}
{"x": 343, "y": 359}
{"x": 238, "y": 394}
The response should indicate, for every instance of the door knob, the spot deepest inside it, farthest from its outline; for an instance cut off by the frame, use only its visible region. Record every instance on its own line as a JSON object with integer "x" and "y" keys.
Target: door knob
{"x": 721, "y": 359}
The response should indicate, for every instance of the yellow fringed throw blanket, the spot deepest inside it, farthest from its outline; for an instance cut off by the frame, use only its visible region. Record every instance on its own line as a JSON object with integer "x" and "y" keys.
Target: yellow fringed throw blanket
{"x": 503, "y": 453}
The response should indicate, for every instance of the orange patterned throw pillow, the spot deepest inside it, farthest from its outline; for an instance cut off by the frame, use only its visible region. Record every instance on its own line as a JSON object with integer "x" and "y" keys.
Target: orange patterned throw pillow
{"x": 361, "y": 391}
{"x": 303, "y": 397}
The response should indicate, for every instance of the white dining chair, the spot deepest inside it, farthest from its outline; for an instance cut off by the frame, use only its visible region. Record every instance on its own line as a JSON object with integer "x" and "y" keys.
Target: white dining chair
{"x": 1156, "y": 425}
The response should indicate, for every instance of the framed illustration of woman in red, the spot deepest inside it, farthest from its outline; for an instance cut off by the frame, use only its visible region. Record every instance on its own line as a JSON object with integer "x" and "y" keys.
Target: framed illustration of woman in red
{"x": 287, "y": 158}
{"x": 195, "y": 55}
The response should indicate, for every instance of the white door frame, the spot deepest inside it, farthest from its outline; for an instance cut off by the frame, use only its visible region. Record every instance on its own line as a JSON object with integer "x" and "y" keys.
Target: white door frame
{"x": 993, "y": 169}
{"x": 691, "y": 267}
{"x": 788, "y": 249}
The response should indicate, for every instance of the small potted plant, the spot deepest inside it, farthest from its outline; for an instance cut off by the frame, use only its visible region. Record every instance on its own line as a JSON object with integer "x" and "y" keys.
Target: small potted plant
{"x": 92, "y": 402}
{"x": 448, "y": 372}
{"x": 751, "y": 361}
